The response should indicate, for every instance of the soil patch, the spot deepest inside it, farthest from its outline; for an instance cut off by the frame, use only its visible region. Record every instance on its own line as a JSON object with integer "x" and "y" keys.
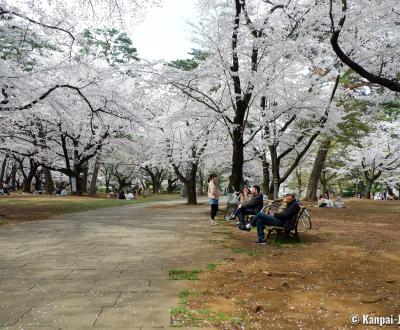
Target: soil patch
{"x": 346, "y": 265}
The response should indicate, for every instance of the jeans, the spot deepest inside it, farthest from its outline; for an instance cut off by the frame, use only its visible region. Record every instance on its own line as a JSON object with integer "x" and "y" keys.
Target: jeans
{"x": 240, "y": 213}
{"x": 262, "y": 219}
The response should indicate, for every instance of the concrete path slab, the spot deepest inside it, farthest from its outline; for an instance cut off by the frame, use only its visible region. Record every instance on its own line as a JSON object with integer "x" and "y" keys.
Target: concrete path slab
{"x": 105, "y": 268}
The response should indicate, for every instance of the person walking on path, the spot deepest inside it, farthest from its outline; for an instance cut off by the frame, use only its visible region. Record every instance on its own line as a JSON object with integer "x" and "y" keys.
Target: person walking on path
{"x": 213, "y": 197}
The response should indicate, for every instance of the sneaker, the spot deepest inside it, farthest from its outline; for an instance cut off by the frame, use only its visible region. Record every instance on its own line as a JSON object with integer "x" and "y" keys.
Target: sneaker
{"x": 260, "y": 242}
{"x": 248, "y": 226}
{"x": 213, "y": 223}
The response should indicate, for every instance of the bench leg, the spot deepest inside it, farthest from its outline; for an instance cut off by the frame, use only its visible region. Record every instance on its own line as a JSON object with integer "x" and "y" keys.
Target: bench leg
{"x": 278, "y": 233}
{"x": 269, "y": 234}
{"x": 296, "y": 235}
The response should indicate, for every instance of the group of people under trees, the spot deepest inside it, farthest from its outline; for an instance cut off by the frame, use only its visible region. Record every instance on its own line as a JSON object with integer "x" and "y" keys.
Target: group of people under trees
{"x": 121, "y": 195}
{"x": 326, "y": 201}
{"x": 251, "y": 203}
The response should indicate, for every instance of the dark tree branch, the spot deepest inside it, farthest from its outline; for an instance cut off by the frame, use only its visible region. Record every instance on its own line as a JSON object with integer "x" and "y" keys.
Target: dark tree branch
{"x": 9, "y": 12}
{"x": 391, "y": 84}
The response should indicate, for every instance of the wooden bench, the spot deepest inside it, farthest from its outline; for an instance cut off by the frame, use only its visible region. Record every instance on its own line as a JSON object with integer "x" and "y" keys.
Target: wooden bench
{"x": 280, "y": 230}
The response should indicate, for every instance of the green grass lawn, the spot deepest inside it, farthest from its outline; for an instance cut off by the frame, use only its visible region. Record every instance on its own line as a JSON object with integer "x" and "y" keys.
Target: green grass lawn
{"x": 28, "y": 208}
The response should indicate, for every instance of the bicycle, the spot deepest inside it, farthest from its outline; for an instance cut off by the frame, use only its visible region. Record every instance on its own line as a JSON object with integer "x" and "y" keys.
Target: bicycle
{"x": 231, "y": 205}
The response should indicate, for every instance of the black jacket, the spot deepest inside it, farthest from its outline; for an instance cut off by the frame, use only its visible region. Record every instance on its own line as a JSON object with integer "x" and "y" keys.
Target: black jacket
{"x": 255, "y": 203}
{"x": 289, "y": 214}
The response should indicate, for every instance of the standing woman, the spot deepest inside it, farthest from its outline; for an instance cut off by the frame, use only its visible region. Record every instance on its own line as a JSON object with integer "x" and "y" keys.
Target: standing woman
{"x": 213, "y": 195}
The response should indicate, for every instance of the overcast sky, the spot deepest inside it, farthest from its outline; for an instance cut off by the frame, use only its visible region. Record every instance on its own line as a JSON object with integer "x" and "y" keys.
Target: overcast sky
{"x": 164, "y": 33}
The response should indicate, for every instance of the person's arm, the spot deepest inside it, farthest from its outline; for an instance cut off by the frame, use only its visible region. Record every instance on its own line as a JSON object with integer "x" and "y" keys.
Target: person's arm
{"x": 253, "y": 202}
{"x": 288, "y": 212}
{"x": 213, "y": 190}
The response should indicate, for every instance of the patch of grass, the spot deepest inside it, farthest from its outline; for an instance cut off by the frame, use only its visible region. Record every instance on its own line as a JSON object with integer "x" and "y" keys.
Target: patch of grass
{"x": 3, "y": 222}
{"x": 182, "y": 316}
{"x": 185, "y": 294}
{"x": 179, "y": 274}
{"x": 280, "y": 243}
{"x": 211, "y": 266}
{"x": 249, "y": 252}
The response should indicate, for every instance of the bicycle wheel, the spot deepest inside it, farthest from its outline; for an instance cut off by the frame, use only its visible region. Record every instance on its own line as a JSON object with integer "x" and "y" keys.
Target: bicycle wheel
{"x": 271, "y": 208}
{"x": 305, "y": 219}
{"x": 230, "y": 211}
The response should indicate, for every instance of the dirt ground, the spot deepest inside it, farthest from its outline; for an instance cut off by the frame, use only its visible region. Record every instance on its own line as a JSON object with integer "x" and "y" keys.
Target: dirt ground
{"x": 349, "y": 263}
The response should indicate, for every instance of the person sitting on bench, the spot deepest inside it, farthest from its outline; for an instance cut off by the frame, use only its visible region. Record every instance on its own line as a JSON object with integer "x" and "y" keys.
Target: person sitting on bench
{"x": 252, "y": 206}
{"x": 284, "y": 219}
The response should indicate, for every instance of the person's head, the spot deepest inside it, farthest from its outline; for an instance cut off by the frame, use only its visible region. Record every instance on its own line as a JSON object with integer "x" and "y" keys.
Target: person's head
{"x": 245, "y": 190}
{"x": 289, "y": 197}
{"x": 213, "y": 177}
{"x": 321, "y": 196}
{"x": 255, "y": 189}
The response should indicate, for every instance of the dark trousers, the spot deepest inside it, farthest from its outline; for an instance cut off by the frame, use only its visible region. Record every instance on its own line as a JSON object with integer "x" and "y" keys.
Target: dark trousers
{"x": 214, "y": 210}
{"x": 262, "y": 219}
{"x": 240, "y": 213}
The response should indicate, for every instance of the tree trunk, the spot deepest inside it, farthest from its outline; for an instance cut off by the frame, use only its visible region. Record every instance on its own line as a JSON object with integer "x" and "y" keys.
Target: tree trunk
{"x": 191, "y": 185}
{"x": 368, "y": 189}
{"x": 78, "y": 185}
{"x": 171, "y": 184}
{"x": 323, "y": 183}
{"x": 27, "y": 184}
{"x": 38, "y": 182}
{"x": 77, "y": 174}
{"x": 236, "y": 178}
{"x": 266, "y": 179}
{"x": 191, "y": 192}
{"x": 107, "y": 185}
{"x": 275, "y": 183}
{"x": 143, "y": 185}
{"x": 299, "y": 183}
{"x": 13, "y": 176}
{"x": 84, "y": 182}
{"x": 370, "y": 178}
{"x": 48, "y": 182}
{"x": 3, "y": 171}
{"x": 391, "y": 192}
{"x": 319, "y": 163}
{"x": 93, "y": 182}
{"x": 201, "y": 184}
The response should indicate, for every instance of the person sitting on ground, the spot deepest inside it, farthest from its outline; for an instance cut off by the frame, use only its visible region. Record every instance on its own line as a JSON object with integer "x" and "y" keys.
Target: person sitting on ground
{"x": 339, "y": 202}
{"x": 284, "y": 219}
{"x": 121, "y": 195}
{"x": 130, "y": 196}
{"x": 328, "y": 201}
{"x": 6, "y": 190}
{"x": 252, "y": 206}
{"x": 322, "y": 201}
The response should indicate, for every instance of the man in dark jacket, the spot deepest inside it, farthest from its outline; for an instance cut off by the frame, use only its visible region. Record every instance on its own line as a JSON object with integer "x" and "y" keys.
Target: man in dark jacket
{"x": 284, "y": 219}
{"x": 253, "y": 206}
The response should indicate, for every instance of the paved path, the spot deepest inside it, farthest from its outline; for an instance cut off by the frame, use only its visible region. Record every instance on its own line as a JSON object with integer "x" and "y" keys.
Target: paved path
{"x": 103, "y": 268}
